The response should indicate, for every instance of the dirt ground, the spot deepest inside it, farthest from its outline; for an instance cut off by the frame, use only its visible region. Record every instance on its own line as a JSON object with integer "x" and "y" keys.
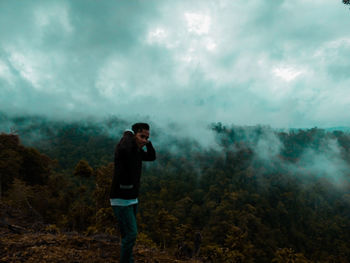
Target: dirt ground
{"x": 23, "y": 239}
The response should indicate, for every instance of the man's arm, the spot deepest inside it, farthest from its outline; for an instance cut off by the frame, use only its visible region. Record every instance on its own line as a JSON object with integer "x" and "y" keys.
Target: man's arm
{"x": 122, "y": 160}
{"x": 150, "y": 154}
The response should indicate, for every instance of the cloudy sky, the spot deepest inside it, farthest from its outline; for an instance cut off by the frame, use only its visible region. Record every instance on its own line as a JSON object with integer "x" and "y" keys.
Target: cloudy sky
{"x": 279, "y": 63}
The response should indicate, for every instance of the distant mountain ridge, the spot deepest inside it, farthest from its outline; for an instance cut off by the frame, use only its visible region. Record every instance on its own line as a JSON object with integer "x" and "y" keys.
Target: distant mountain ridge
{"x": 340, "y": 128}
{"x": 344, "y": 129}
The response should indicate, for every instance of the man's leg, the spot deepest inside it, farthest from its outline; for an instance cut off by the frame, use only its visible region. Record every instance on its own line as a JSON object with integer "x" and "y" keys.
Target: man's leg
{"x": 126, "y": 216}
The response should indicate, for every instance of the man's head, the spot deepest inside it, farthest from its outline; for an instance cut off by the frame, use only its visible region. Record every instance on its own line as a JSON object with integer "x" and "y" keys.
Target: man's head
{"x": 141, "y": 131}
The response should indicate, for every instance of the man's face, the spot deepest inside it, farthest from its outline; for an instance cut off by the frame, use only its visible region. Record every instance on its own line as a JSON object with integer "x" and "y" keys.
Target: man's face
{"x": 141, "y": 138}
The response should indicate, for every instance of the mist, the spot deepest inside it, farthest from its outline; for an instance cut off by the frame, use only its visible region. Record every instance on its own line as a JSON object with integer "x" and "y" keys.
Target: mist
{"x": 181, "y": 66}
{"x": 191, "y": 63}
{"x": 316, "y": 157}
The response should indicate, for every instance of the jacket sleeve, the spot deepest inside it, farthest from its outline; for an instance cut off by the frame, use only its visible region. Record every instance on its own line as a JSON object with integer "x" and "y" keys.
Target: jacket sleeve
{"x": 150, "y": 154}
{"x": 123, "y": 167}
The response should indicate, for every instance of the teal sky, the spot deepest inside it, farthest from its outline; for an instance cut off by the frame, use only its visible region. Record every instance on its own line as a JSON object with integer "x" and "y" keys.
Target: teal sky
{"x": 279, "y": 63}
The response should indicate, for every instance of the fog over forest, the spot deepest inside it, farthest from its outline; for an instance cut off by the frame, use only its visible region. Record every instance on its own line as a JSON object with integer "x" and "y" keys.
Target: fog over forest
{"x": 324, "y": 157}
{"x": 274, "y": 193}
{"x": 248, "y": 104}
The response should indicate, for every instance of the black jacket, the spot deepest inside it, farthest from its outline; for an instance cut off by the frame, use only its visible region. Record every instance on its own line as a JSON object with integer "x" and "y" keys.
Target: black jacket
{"x": 127, "y": 167}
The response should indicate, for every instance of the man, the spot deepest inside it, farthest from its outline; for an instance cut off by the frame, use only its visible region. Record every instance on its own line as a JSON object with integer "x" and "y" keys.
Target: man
{"x": 126, "y": 183}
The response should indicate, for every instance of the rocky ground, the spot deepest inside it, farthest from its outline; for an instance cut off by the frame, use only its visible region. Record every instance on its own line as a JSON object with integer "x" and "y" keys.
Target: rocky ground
{"x": 24, "y": 240}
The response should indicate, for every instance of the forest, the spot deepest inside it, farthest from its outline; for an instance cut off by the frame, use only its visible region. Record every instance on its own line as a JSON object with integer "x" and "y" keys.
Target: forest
{"x": 257, "y": 195}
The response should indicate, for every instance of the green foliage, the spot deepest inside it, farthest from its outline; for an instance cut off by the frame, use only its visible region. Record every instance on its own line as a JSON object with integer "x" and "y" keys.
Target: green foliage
{"x": 36, "y": 167}
{"x": 144, "y": 240}
{"x": 10, "y": 160}
{"x": 83, "y": 169}
{"x": 287, "y": 255}
{"x": 26, "y": 164}
{"x": 19, "y": 193}
{"x": 103, "y": 181}
{"x": 238, "y": 245}
{"x": 213, "y": 253}
{"x": 80, "y": 216}
{"x": 68, "y": 142}
{"x": 246, "y": 210}
{"x": 10, "y": 164}
{"x": 105, "y": 221}
{"x": 166, "y": 225}
{"x": 53, "y": 229}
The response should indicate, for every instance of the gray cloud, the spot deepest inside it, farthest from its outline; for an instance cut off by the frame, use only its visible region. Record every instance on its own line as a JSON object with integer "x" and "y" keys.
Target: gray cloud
{"x": 191, "y": 62}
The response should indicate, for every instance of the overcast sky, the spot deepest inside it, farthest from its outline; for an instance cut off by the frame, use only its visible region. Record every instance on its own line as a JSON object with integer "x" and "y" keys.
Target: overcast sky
{"x": 278, "y": 63}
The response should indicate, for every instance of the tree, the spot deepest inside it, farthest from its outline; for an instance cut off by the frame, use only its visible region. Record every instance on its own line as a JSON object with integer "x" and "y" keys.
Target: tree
{"x": 103, "y": 181}
{"x": 19, "y": 195}
{"x": 83, "y": 169}
{"x": 10, "y": 164}
{"x": 10, "y": 160}
{"x": 105, "y": 221}
{"x": 239, "y": 249}
{"x": 287, "y": 255}
{"x": 166, "y": 223}
{"x": 36, "y": 167}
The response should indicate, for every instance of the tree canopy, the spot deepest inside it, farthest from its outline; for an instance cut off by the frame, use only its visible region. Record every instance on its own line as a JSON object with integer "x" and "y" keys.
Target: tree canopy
{"x": 246, "y": 200}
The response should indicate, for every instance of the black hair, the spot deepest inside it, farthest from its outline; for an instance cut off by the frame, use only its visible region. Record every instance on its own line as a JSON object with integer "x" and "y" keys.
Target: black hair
{"x": 137, "y": 127}
{"x": 128, "y": 139}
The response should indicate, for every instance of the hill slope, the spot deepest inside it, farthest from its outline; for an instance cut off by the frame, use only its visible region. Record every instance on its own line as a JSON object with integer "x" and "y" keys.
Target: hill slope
{"x": 24, "y": 238}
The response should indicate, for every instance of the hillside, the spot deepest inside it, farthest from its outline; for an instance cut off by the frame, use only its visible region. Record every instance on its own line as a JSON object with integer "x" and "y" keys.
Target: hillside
{"x": 260, "y": 195}
{"x": 25, "y": 239}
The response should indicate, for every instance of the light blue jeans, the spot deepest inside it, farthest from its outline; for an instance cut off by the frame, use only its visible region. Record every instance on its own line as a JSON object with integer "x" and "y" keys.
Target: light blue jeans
{"x": 126, "y": 216}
